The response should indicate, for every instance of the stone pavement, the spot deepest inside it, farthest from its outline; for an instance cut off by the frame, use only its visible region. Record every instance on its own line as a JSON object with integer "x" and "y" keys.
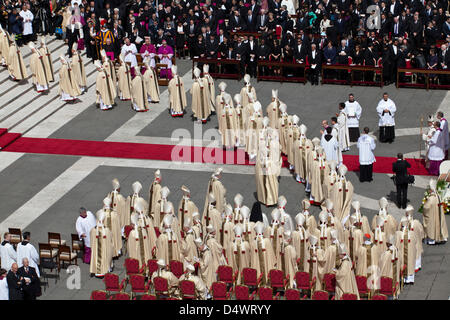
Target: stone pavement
{"x": 42, "y": 193}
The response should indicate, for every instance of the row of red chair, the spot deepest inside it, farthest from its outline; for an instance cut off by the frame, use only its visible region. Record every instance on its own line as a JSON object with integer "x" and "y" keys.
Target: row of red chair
{"x": 226, "y": 279}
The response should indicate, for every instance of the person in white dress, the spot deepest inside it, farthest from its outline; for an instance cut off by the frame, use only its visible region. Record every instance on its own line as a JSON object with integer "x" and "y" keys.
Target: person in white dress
{"x": 386, "y": 111}
{"x": 342, "y": 127}
{"x": 331, "y": 146}
{"x": 353, "y": 110}
{"x": 444, "y": 127}
{"x": 26, "y": 250}
{"x": 4, "y": 291}
{"x": 84, "y": 224}
{"x": 366, "y": 145}
{"x": 436, "y": 153}
{"x": 27, "y": 21}
{"x": 7, "y": 253}
{"x": 129, "y": 51}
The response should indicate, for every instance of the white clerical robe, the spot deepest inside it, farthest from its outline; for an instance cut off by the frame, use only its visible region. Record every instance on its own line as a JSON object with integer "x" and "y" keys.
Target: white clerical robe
{"x": 387, "y": 118}
{"x": 366, "y": 145}
{"x": 436, "y": 151}
{"x": 353, "y": 111}
{"x": 27, "y": 250}
{"x": 4, "y": 292}
{"x": 8, "y": 255}
{"x": 129, "y": 52}
{"x": 444, "y": 127}
{"x": 85, "y": 225}
{"x": 331, "y": 148}
{"x": 28, "y": 18}
{"x": 343, "y": 135}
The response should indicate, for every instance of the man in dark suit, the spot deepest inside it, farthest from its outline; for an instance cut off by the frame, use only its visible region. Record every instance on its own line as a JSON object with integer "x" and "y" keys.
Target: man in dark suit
{"x": 251, "y": 57}
{"x": 300, "y": 51}
{"x": 261, "y": 21}
{"x": 31, "y": 284}
{"x": 400, "y": 169}
{"x": 241, "y": 50}
{"x": 315, "y": 62}
{"x": 236, "y": 22}
{"x": 15, "y": 283}
{"x": 250, "y": 21}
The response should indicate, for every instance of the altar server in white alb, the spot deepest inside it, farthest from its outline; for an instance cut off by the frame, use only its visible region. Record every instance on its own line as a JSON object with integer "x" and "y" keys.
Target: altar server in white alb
{"x": 366, "y": 145}
{"x": 84, "y": 224}
{"x": 436, "y": 152}
{"x": 444, "y": 128}
{"x": 342, "y": 127}
{"x": 353, "y": 110}
{"x": 7, "y": 253}
{"x": 386, "y": 111}
{"x": 330, "y": 144}
{"x": 26, "y": 250}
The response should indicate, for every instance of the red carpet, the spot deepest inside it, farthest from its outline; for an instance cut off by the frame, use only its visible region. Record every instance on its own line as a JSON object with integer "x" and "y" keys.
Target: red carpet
{"x": 6, "y": 138}
{"x": 164, "y": 152}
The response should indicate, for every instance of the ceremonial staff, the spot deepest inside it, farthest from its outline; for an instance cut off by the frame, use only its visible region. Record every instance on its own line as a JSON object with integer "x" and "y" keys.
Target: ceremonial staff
{"x": 421, "y": 132}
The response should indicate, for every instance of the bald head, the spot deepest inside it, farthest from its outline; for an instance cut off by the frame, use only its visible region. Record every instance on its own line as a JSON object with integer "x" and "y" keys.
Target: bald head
{"x": 14, "y": 267}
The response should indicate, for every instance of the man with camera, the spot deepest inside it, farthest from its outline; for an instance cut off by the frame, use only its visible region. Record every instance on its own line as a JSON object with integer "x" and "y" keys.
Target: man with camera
{"x": 401, "y": 179}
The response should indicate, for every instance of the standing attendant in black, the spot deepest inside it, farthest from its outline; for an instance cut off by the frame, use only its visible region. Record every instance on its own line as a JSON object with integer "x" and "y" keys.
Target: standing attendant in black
{"x": 31, "y": 287}
{"x": 15, "y": 283}
{"x": 400, "y": 169}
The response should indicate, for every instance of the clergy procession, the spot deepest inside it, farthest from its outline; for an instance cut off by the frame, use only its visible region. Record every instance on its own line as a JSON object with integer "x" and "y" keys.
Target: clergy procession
{"x": 284, "y": 190}
{"x": 338, "y": 254}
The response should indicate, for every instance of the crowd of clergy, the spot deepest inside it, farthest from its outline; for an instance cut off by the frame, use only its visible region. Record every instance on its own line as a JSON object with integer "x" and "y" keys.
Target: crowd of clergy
{"x": 72, "y": 75}
{"x": 340, "y": 240}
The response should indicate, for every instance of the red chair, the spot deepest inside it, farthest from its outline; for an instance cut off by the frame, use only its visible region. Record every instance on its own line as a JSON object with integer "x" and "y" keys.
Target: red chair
{"x": 121, "y": 296}
{"x": 161, "y": 287}
{"x": 292, "y": 294}
{"x": 250, "y": 277}
{"x": 242, "y": 293}
{"x": 225, "y": 274}
{"x": 187, "y": 289}
{"x": 361, "y": 282}
{"x": 320, "y": 295}
{"x": 219, "y": 291}
{"x": 349, "y": 296}
{"x": 138, "y": 284}
{"x": 387, "y": 287}
{"x": 266, "y": 293}
{"x": 148, "y": 297}
{"x": 276, "y": 279}
{"x": 152, "y": 266}
{"x": 303, "y": 282}
{"x": 378, "y": 72}
{"x": 413, "y": 76}
{"x": 111, "y": 281}
{"x": 176, "y": 267}
{"x": 98, "y": 295}
{"x": 329, "y": 282}
{"x": 379, "y": 297}
{"x": 132, "y": 267}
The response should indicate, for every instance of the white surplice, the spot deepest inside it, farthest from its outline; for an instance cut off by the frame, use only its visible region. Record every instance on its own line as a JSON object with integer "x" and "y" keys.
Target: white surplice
{"x": 366, "y": 145}
{"x": 30, "y": 252}
{"x": 85, "y": 225}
